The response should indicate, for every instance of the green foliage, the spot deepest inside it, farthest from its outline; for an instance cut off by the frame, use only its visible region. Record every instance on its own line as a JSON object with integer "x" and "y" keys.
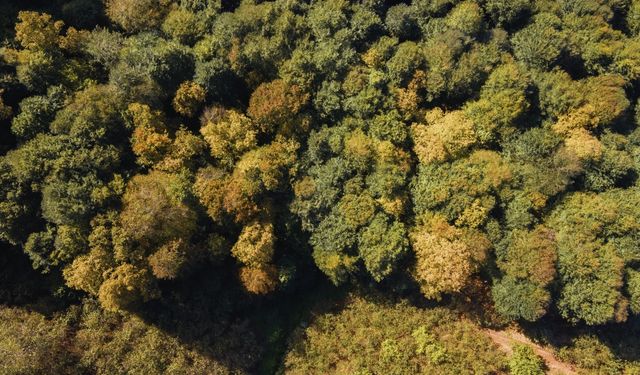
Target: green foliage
{"x": 529, "y": 265}
{"x": 183, "y": 26}
{"x": 37, "y": 113}
{"x": 590, "y": 354}
{"x": 382, "y": 245}
{"x": 146, "y": 56}
{"x": 187, "y": 160}
{"x": 507, "y": 12}
{"x": 401, "y": 22}
{"x": 524, "y": 361}
{"x": 381, "y": 337}
{"x": 541, "y": 43}
{"x": 463, "y": 191}
{"x": 591, "y": 269}
{"x": 520, "y": 299}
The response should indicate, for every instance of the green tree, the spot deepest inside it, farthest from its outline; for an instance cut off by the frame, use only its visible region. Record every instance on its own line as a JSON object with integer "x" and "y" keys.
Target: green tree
{"x": 383, "y": 245}
{"x": 541, "y": 43}
{"x": 155, "y": 210}
{"x": 524, "y": 361}
{"x": 37, "y": 113}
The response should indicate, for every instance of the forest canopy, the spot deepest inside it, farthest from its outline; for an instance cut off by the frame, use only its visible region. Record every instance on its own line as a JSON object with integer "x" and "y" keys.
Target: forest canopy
{"x": 205, "y": 174}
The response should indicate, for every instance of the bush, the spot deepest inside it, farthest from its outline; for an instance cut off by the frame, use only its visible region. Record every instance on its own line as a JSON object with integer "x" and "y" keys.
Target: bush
{"x": 524, "y": 361}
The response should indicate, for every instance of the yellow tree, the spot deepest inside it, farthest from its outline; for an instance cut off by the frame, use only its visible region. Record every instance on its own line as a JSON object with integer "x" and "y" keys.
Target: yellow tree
{"x": 189, "y": 98}
{"x": 446, "y": 256}
{"x": 444, "y": 137}
{"x": 150, "y": 140}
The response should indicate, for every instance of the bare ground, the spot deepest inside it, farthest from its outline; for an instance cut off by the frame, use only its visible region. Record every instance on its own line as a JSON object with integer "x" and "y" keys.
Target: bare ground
{"x": 508, "y": 338}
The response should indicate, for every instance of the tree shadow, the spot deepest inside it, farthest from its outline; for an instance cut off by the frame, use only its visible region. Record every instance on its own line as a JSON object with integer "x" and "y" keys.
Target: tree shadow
{"x": 212, "y": 314}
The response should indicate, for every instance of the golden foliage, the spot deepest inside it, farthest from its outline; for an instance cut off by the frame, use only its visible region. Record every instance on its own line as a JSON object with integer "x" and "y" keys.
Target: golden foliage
{"x": 255, "y": 246}
{"x": 446, "y": 256}
{"x": 445, "y": 136}
{"x": 125, "y": 286}
{"x": 37, "y": 30}
{"x": 584, "y": 145}
{"x": 184, "y": 152}
{"x": 210, "y": 189}
{"x": 88, "y": 272}
{"x": 259, "y": 280}
{"x": 189, "y": 98}
{"x": 168, "y": 261}
{"x": 274, "y": 104}
{"x": 229, "y": 134}
{"x": 137, "y": 15}
{"x": 150, "y": 140}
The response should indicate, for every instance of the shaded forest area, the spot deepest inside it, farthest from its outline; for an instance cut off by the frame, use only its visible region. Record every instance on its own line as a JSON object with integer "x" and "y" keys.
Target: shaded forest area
{"x": 319, "y": 187}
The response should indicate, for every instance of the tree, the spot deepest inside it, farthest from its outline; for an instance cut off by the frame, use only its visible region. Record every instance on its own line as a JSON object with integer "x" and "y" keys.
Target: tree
{"x": 150, "y": 140}
{"x": 383, "y": 245}
{"x": 592, "y": 253}
{"x": 41, "y": 61}
{"x": 154, "y": 209}
{"x": 88, "y": 271}
{"x": 17, "y": 206}
{"x": 541, "y": 43}
{"x": 275, "y": 104}
{"x": 633, "y": 18}
{"x": 147, "y": 60}
{"x": 209, "y": 188}
{"x": 255, "y": 246}
{"x": 524, "y": 361}
{"x": 404, "y": 63}
{"x": 505, "y": 13}
{"x": 259, "y": 279}
{"x": 184, "y": 26}
{"x": 259, "y": 171}
{"x": 463, "y": 191}
{"x": 189, "y": 98}
{"x": 401, "y": 22}
{"x": 229, "y": 134}
{"x": 520, "y": 298}
{"x": 502, "y": 102}
{"x": 169, "y": 260}
{"x": 466, "y": 17}
{"x": 530, "y": 255}
{"x": 134, "y": 16}
{"x": 37, "y": 113}
{"x": 445, "y": 137}
{"x": 445, "y": 256}
{"x": 126, "y": 286}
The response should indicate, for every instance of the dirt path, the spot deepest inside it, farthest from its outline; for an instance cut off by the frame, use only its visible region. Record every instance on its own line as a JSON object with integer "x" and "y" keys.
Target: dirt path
{"x": 508, "y": 338}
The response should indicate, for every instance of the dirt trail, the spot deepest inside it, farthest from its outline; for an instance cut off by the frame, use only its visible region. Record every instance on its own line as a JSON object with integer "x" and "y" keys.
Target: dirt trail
{"x": 508, "y": 338}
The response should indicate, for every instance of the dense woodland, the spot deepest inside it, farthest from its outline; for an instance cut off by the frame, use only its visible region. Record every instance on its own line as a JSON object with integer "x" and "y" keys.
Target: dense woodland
{"x": 319, "y": 186}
